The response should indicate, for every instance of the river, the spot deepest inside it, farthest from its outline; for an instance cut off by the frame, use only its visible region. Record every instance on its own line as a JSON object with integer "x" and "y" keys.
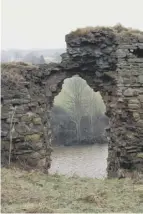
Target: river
{"x": 83, "y": 160}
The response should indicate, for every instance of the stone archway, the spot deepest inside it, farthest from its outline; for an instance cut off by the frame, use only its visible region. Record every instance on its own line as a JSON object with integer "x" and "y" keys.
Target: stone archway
{"x": 106, "y": 59}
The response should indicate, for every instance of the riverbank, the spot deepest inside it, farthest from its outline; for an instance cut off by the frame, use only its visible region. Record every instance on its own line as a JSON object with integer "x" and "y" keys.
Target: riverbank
{"x": 35, "y": 192}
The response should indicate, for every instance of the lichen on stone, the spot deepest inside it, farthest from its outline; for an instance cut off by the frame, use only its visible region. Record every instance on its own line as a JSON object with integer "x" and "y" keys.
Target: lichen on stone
{"x": 140, "y": 155}
{"x": 37, "y": 120}
{"x": 33, "y": 137}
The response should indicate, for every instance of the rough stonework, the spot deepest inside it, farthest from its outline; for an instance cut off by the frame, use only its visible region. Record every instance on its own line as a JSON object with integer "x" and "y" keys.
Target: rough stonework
{"x": 111, "y": 61}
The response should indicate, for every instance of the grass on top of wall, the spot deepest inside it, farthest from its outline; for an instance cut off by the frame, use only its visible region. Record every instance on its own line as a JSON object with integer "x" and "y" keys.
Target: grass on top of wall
{"x": 117, "y": 29}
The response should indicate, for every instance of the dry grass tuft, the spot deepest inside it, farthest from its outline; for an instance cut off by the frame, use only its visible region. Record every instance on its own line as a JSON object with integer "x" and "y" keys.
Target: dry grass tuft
{"x": 15, "y": 67}
{"x": 117, "y": 29}
{"x": 86, "y": 30}
{"x": 11, "y": 71}
{"x": 97, "y": 199}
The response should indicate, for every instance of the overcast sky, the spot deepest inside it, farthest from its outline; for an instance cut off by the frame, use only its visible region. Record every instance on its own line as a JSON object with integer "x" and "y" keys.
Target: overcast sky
{"x": 44, "y": 23}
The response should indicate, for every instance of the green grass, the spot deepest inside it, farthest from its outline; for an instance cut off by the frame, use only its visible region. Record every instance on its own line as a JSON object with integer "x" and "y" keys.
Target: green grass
{"x": 35, "y": 192}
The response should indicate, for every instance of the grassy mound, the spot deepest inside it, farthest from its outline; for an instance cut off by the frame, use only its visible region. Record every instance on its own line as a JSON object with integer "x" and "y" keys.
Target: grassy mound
{"x": 35, "y": 192}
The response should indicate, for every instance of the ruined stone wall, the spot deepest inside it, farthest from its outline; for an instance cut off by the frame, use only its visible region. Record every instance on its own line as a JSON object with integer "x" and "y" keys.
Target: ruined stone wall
{"x": 126, "y": 145}
{"x": 111, "y": 62}
{"x": 20, "y": 119}
{"x": 26, "y": 99}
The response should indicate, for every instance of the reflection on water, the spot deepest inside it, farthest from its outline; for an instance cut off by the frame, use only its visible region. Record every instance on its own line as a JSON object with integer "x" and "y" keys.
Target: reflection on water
{"x": 85, "y": 161}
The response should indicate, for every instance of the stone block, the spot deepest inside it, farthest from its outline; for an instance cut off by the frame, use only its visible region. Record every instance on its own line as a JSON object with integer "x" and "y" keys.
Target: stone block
{"x": 26, "y": 118}
{"x": 120, "y": 100}
{"x": 14, "y": 134}
{"x": 4, "y": 116}
{"x": 38, "y": 145}
{"x": 17, "y": 101}
{"x": 33, "y": 137}
{"x": 41, "y": 163}
{"x": 42, "y": 152}
{"x": 135, "y": 60}
{"x": 5, "y": 145}
{"x": 140, "y": 155}
{"x": 133, "y": 106}
{"x": 25, "y": 153}
{"x": 129, "y": 92}
{"x": 121, "y": 53}
{"x": 22, "y": 128}
{"x": 14, "y": 120}
{"x": 140, "y": 79}
{"x": 133, "y": 101}
{"x": 4, "y": 133}
{"x": 136, "y": 116}
{"x": 35, "y": 155}
{"x": 141, "y": 98}
{"x": 37, "y": 120}
{"x": 140, "y": 123}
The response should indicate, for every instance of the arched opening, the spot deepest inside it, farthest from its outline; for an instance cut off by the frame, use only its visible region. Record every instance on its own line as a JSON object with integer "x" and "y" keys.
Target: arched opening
{"x": 79, "y": 123}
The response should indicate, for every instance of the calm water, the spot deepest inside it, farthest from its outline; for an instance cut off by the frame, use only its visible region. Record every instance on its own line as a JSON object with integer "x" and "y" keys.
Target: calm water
{"x": 85, "y": 161}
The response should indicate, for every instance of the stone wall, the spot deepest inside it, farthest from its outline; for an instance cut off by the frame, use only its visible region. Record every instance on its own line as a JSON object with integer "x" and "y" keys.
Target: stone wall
{"x": 126, "y": 147}
{"x": 111, "y": 61}
{"x": 26, "y": 101}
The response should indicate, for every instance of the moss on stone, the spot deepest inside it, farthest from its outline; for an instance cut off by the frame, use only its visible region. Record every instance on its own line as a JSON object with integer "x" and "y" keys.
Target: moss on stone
{"x": 36, "y": 155}
{"x": 140, "y": 155}
{"x": 37, "y": 120}
{"x": 33, "y": 137}
{"x": 26, "y": 118}
{"x": 5, "y": 144}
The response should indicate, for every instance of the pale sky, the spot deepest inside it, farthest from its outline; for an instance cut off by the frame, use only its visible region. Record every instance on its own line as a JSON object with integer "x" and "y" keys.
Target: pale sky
{"x": 44, "y": 23}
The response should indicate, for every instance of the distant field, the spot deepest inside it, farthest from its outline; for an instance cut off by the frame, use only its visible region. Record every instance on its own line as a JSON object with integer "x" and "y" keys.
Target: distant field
{"x": 35, "y": 192}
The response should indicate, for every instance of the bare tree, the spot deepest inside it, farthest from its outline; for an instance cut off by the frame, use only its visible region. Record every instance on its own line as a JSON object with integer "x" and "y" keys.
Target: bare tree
{"x": 73, "y": 98}
{"x": 80, "y": 101}
{"x": 95, "y": 107}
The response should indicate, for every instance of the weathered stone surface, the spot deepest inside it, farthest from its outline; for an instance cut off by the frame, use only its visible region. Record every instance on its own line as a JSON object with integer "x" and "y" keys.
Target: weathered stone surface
{"x": 41, "y": 163}
{"x": 33, "y": 137}
{"x": 5, "y": 145}
{"x": 36, "y": 155}
{"x": 140, "y": 123}
{"x": 111, "y": 62}
{"x": 140, "y": 155}
{"x": 37, "y": 121}
{"x": 129, "y": 92}
{"x": 136, "y": 116}
{"x": 141, "y": 98}
{"x": 140, "y": 79}
{"x": 133, "y": 106}
{"x": 4, "y": 133}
